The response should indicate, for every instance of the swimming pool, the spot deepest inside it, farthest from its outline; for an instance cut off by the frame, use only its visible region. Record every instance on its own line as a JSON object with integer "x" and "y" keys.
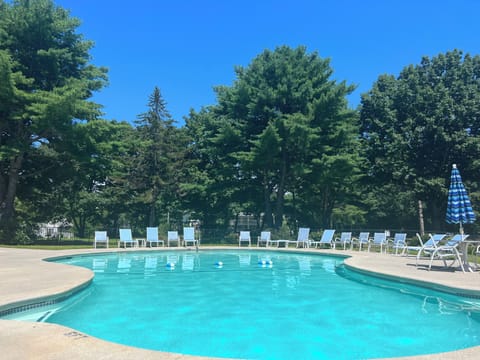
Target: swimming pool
{"x": 299, "y": 306}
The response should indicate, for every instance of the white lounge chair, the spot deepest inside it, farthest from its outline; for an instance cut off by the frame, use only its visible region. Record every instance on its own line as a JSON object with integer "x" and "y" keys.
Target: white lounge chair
{"x": 303, "y": 237}
{"x": 449, "y": 251}
{"x": 244, "y": 237}
{"x": 326, "y": 239}
{"x": 264, "y": 238}
{"x": 414, "y": 248}
{"x": 379, "y": 240}
{"x": 430, "y": 246}
{"x": 344, "y": 239}
{"x": 189, "y": 236}
{"x": 172, "y": 237}
{"x": 399, "y": 243}
{"x": 126, "y": 238}
{"x": 477, "y": 254}
{"x": 363, "y": 239}
{"x": 101, "y": 238}
{"x": 152, "y": 237}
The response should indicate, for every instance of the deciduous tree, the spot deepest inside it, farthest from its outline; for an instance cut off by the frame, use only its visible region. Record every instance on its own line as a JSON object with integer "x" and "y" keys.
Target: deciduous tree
{"x": 416, "y": 125}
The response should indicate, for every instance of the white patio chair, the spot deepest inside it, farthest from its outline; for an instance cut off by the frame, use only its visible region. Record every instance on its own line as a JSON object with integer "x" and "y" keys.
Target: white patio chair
{"x": 363, "y": 239}
{"x": 344, "y": 239}
{"x": 172, "y": 237}
{"x": 189, "y": 236}
{"x": 326, "y": 239}
{"x": 399, "y": 243}
{"x": 244, "y": 237}
{"x": 379, "y": 240}
{"x": 303, "y": 239}
{"x": 152, "y": 237}
{"x": 126, "y": 238}
{"x": 264, "y": 238}
{"x": 100, "y": 238}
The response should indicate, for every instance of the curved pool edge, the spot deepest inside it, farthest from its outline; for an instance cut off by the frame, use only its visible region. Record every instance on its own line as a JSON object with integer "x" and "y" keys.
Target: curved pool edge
{"x": 404, "y": 269}
{"x": 51, "y": 341}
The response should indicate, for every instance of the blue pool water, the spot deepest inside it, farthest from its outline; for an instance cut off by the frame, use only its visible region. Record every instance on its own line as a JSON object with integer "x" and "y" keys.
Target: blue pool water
{"x": 299, "y": 307}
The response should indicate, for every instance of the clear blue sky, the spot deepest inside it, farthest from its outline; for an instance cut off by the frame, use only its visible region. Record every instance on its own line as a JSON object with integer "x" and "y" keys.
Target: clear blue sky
{"x": 186, "y": 47}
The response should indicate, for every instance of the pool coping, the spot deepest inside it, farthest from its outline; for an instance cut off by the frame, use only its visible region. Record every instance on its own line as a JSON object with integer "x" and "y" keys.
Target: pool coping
{"x": 27, "y": 279}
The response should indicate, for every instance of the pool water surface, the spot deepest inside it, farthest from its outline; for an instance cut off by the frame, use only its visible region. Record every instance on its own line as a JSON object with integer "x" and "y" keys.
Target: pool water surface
{"x": 262, "y": 305}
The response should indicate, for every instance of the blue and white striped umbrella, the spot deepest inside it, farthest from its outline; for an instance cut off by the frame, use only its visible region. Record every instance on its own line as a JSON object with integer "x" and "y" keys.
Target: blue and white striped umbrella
{"x": 459, "y": 208}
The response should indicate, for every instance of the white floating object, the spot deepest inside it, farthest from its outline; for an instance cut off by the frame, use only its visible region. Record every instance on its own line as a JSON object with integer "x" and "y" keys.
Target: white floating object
{"x": 170, "y": 265}
{"x": 219, "y": 264}
{"x": 264, "y": 263}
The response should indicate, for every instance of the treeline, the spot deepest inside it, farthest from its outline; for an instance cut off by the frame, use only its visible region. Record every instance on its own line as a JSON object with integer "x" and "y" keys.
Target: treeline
{"x": 280, "y": 144}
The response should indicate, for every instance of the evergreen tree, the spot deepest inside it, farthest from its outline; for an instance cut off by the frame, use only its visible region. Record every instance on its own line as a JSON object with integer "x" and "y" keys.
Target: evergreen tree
{"x": 158, "y": 161}
{"x": 46, "y": 81}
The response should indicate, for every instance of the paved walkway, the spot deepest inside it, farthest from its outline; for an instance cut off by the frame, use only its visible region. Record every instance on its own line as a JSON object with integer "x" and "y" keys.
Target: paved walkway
{"x": 26, "y": 279}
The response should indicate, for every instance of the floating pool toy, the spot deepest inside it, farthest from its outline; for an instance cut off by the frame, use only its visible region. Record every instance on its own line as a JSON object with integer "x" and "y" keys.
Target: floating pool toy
{"x": 265, "y": 263}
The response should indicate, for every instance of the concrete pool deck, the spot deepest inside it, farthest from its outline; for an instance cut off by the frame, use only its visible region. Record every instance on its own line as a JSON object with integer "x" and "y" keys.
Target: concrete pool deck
{"x": 26, "y": 279}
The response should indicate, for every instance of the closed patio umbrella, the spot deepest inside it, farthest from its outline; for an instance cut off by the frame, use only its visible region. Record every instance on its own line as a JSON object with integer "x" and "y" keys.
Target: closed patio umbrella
{"x": 459, "y": 208}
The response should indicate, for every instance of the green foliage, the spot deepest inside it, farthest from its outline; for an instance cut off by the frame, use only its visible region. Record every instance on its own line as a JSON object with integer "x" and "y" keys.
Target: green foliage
{"x": 282, "y": 233}
{"x": 348, "y": 216}
{"x": 160, "y": 153}
{"x": 210, "y": 185}
{"x": 24, "y": 235}
{"x": 417, "y": 125}
{"x": 278, "y": 125}
{"x": 281, "y": 143}
{"x": 46, "y": 81}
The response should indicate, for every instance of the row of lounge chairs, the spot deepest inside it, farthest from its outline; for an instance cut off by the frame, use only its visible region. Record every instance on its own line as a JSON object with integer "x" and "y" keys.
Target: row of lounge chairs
{"x": 433, "y": 249}
{"x": 327, "y": 239}
{"x": 152, "y": 238}
{"x": 436, "y": 248}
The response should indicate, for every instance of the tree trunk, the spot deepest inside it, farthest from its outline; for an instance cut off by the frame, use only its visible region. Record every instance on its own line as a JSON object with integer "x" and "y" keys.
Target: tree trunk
{"x": 152, "y": 216}
{"x": 8, "y": 191}
{"x": 7, "y": 202}
{"x": 268, "y": 217}
{"x": 82, "y": 225}
{"x": 420, "y": 218}
{"x": 280, "y": 193}
{"x": 327, "y": 208}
